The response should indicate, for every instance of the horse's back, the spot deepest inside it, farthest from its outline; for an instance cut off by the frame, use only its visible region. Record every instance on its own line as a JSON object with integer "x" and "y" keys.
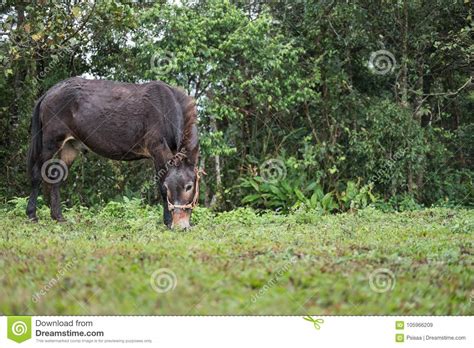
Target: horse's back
{"x": 113, "y": 118}
{"x": 99, "y": 96}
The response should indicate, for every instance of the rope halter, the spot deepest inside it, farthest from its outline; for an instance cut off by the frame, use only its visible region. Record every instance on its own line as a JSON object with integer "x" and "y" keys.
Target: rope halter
{"x": 195, "y": 200}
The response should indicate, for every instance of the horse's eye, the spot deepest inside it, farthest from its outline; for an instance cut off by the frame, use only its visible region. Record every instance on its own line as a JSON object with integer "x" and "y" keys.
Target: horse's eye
{"x": 188, "y": 187}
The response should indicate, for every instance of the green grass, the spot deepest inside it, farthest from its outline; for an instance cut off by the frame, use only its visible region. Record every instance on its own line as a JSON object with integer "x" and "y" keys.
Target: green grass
{"x": 237, "y": 263}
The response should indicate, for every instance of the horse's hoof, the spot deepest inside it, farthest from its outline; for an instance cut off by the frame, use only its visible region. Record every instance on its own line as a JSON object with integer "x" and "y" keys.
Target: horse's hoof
{"x": 60, "y": 220}
{"x": 33, "y": 219}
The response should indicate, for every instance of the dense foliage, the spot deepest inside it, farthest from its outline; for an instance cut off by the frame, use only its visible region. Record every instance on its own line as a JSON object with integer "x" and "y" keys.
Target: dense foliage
{"x": 298, "y": 83}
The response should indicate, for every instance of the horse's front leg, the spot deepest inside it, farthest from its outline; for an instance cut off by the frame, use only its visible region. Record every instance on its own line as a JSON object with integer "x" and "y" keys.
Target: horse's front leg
{"x": 161, "y": 154}
{"x": 167, "y": 218}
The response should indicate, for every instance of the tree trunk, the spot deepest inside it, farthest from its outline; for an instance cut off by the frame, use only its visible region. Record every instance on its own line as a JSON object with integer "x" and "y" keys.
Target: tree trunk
{"x": 217, "y": 197}
{"x": 404, "y": 82}
{"x": 18, "y": 79}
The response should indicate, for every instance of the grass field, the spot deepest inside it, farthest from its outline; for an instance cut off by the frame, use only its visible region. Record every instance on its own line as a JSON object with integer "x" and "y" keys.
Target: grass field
{"x": 120, "y": 260}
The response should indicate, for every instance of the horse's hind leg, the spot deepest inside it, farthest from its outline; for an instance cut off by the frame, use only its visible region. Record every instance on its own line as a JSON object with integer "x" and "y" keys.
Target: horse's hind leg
{"x": 56, "y": 171}
{"x": 39, "y": 173}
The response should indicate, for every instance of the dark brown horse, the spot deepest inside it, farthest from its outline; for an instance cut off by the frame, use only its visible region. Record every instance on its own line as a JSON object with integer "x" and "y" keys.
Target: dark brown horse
{"x": 120, "y": 121}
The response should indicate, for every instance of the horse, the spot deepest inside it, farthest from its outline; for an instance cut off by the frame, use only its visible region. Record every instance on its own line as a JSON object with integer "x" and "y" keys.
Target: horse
{"x": 119, "y": 121}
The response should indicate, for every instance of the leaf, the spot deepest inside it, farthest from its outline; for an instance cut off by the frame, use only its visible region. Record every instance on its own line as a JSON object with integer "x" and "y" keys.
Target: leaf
{"x": 254, "y": 185}
{"x": 76, "y": 11}
{"x": 318, "y": 193}
{"x": 328, "y": 202}
{"x": 37, "y": 36}
{"x": 314, "y": 200}
{"x": 312, "y": 186}
{"x": 351, "y": 190}
{"x": 300, "y": 195}
{"x": 250, "y": 198}
{"x": 286, "y": 187}
{"x": 373, "y": 199}
{"x": 277, "y": 192}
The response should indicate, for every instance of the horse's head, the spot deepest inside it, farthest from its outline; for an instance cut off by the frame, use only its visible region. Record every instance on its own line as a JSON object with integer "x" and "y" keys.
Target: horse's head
{"x": 182, "y": 192}
{"x": 180, "y": 186}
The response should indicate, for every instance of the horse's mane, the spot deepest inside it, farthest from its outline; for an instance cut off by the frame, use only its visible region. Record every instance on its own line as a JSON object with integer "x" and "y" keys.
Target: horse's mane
{"x": 190, "y": 129}
{"x": 189, "y": 141}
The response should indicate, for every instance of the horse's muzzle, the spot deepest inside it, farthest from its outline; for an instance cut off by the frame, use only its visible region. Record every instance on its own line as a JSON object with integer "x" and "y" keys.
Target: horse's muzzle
{"x": 181, "y": 218}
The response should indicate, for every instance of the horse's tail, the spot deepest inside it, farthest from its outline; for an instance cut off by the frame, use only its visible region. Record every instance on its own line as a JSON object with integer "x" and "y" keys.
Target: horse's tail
{"x": 36, "y": 146}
